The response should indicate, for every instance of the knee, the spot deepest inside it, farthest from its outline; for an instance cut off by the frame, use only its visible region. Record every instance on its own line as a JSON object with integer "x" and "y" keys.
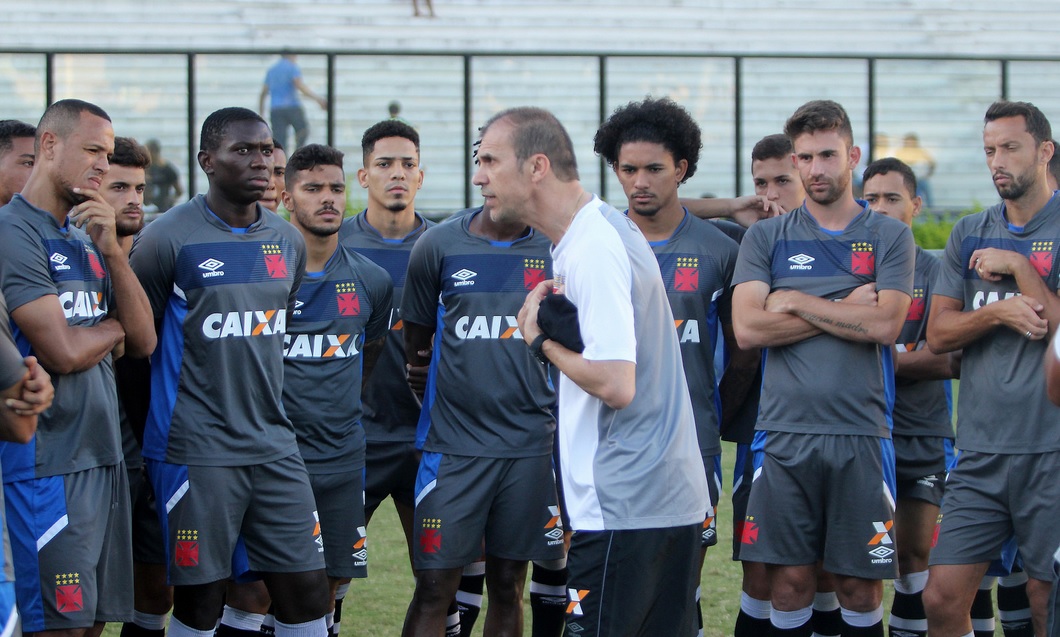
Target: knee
{"x": 436, "y": 588}
{"x": 299, "y": 597}
{"x": 934, "y": 598}
{"x": 860, "y": 596}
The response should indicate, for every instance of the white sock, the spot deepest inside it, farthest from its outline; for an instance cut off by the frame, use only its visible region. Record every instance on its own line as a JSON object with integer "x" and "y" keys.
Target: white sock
{"x": 312, "y": 628}
{"x": 149, "y": 621}
{"x": 863, "y": 620}
{"x": 241, "y": 619}
{"x": 788, "y": 619}
{"x": 756, "y": 608}
{"x": 177, "y": 629}
{"x": 912, "y": 583}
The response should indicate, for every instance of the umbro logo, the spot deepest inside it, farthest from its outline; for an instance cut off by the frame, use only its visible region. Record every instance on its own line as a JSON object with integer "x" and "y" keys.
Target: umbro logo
{"x": 881, "y": 551}
{"x": 801, "y": 262}
{"x": 59, "y": 260}
{"x": 212, "y": 268}
{"x": 464, "y": 276}
{"x": 554, "y": 534}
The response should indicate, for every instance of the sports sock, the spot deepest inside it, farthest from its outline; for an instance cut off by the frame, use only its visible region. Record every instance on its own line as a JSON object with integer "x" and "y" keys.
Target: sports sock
{"x": 178, "y": 629}
{"x": 452, "y": 621}
{"x": 792, "y": 623}
{"x": 983, "y": 610}
{"x": 137, "y": 629}
{"x": 313, "y": 628}
{"x": 340, "y": 594}
{"x": 1013, "y": 607}
{"x": 858, "y": 624}
{"x": 827, "y": 620}
{"x": 753, "y": 620}
{"x": 548, "y": 600}
{"x": 239, "y": 623}
{"x": 908, "y": 618}
{"x": 469, "y": 596}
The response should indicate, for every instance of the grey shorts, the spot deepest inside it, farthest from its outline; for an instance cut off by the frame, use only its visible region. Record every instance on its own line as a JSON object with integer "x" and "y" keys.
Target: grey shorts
{"x": 990, "y": 497}
{"x": 511, "y": 502}
{"x": 70, "y": 548}
{"x": 823, "y": 497}
{"x": 147, "y": 543}
{"x": 267, "y": 508}
{"x": 340, "y": 504}
{"x": 390, "y": 470}
{"x": 920, "y": 466}
{"x": 743, "y": 474}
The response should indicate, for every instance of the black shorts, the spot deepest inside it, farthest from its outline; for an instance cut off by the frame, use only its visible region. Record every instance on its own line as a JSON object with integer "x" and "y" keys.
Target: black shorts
{"x": 390, "y": 470}
{"x": 610, "y": 572}
{"x": 147, "y": 543}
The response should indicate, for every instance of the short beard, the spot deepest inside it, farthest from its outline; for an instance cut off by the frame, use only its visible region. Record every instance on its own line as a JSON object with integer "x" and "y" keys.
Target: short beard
{"x": 1015, "y": 190}
{"x": 128, "y": 228}
{"x": 396, "y": 206}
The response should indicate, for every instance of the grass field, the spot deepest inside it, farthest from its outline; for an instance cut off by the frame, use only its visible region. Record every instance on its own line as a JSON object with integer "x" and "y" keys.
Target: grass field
{"x": 376, "y": 607}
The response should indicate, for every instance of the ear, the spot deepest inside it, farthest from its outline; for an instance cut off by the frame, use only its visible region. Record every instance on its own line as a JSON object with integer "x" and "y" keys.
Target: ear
{"x": 420, "y": 184}
{"x": 918, "y": 205}
{"x": 1046, "y": 151}
{"x": 48, "y": 141}
{"x": 855, "y": 155}
{"x": 205, "y": 162}
{"x": 362, "y": 177}
{"x": 539, "y": 166}
{"x": 285, "y": 197}
{"x": 682, "y": 168}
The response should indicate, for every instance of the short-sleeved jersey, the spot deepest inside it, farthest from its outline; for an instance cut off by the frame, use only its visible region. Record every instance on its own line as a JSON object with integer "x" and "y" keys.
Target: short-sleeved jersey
{"x": 921, "y": 407}
{"x": 337, "y": 311}
{"x": 1002, "y": 406}
{"x": 280, "y": 79}
{"x": 39, "y": 258}
{"x": 390, "y": 408}
{"x": 825, "y": 384}
{"x": 486, "y": 394}
{"x": 12, "y": 369}
{"x": 637, "y": 467}
{"x": 221, "y": 296}
{"x": 697, "y": 264}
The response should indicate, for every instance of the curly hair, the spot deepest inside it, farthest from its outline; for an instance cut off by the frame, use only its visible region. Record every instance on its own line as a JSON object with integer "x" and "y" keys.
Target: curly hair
{"x": 657, "y": 121}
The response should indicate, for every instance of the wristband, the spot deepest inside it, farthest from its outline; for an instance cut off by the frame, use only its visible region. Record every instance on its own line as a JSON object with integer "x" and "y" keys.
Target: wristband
{"x": 535, "y": 348}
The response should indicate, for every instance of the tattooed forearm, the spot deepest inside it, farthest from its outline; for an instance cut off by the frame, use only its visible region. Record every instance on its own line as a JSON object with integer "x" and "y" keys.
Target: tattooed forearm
{"x": 824, "y": 320}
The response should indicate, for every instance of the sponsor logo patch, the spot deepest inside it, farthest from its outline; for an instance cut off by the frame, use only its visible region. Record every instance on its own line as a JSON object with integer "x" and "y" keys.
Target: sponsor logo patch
{"x": 1042, "y": 257}
{"x": 686, "y": 274}
{"x": 533, "y": 272}
{"x": 431, "y": 535}
{"x": 212, "y": 268}
{"x": 574, "y": 601}
{"x": 346, "y": 297}
{"x": 274, "y": 261}
{"x": 862, "y": 258}
{"x": 801, "y": 262}
{"x": 187, "y": 549}
{"x": 68, "y": 598}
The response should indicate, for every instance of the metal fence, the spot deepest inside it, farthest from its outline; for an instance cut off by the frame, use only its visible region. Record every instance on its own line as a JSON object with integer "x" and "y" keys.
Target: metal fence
{"x": 737, "y": 99}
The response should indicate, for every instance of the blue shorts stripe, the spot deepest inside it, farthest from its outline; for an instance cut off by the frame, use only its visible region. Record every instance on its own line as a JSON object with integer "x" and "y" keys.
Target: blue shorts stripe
{"x": 34, "y": 507}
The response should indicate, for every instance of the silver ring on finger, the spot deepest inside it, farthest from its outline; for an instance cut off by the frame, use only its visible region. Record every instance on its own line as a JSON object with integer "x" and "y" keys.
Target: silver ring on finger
{"x": 1028, "y": 334}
